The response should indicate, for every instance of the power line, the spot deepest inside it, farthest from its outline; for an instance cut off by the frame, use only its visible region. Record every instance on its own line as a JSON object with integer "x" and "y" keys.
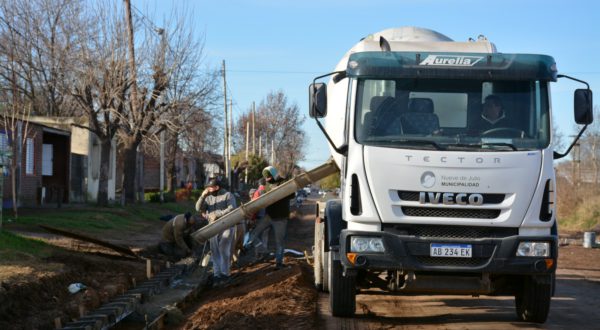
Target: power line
{"x": 146, "y": 21}
{"x": 275, "y": 71}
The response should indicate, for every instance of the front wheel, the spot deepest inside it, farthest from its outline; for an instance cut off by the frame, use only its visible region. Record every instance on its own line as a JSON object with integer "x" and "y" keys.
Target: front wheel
{"x": 342, "y": 290}
{"x": 532, "y": 301}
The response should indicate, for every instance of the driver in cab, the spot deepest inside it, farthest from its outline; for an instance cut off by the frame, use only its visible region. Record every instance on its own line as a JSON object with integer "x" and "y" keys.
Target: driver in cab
{"x": 492, "y": 114}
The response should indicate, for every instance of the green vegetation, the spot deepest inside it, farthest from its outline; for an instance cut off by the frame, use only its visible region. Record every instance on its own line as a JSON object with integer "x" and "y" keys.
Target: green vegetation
{"x": 80, "y": 219}
{"x": 154, "y": 197}
{"x": 582, "y": 217}
{"x": 331, "y": 182}
{"x": 255, "y": 165}
{"x": 11, "y": 243}
{"x": 95, "y": 220}
{"x": 91, "y": 220}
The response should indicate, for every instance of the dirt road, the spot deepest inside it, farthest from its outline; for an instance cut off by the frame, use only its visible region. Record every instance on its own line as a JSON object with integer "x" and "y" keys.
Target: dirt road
{"x": 576, "y": 304}
{"x": 262, "y": 297}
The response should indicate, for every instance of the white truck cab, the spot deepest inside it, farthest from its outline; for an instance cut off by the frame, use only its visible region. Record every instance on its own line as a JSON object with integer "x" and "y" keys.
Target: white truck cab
{"x": 446, "y": 160}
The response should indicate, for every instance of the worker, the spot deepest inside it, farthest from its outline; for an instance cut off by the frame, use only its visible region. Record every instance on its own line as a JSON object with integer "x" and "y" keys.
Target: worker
{"x": 492, "y": 114}
{"x": 276, "y": 217}
{"x": 214, "y": 202}
{"x": 176, "y": 240}
{"x": 260, "y": 248}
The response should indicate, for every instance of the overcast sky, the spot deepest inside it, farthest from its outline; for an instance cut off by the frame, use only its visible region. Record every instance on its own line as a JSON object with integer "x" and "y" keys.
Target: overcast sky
{"x": 278, "y": 44}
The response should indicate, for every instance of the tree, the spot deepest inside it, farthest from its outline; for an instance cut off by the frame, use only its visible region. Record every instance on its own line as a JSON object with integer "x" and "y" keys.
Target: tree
{"x": 35, "y": 52}
{"x": 152, "y": 72}
{"x": 38, "y": 38}
{"x": 190, "y": 118}
{"x": 15, "y": 122}
{"x": 588, "y": 151}
{"x": 100, "y": 85}
{"x": 254, "y": 164}
{"x": 279, "y": 126}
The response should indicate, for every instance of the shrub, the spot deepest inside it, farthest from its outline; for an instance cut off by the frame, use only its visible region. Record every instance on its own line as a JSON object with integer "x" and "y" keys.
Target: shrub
{"x": 195, "y": 194}
{"x": 182, "y": 195}
{"x": 154, "y": 197}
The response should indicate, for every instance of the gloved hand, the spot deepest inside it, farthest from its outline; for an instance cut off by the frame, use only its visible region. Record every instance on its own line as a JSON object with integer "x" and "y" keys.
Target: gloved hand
{"x": 205, "y": 192}
{"x": 212, "y": 218}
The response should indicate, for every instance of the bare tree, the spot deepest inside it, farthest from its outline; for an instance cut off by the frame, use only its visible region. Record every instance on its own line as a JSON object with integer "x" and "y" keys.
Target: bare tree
{"x": 191, "y": 99}
{"x": 39, "y": 38}
{"x": 155, "y": 67}
{"x": 100, "y": 84}
{"x": 35, "y": 51}
{"x": 15, "y": 122}
{"x": 278, "y": 125}
{"x": 589, "y": 151}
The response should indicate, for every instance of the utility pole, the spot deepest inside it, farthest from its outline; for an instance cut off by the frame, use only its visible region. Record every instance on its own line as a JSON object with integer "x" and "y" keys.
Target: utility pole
{"x": 131, "y": 57}
{"x": 272, "y": 152}
{"x": 134, "y": 98}
{"x": 247, "y": 145}
{"x": 162, "y": 166}
{"x": 229, "y": 141}
{"x": 253, "y": 134}
{"x": 163, "y": 48}
{"x": 225, "y": 143}
{"x": 259, "y": 146}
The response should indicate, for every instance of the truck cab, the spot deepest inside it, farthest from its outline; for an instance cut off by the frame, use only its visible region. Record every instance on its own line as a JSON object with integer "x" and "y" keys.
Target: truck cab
{"x": 446, "y": 163}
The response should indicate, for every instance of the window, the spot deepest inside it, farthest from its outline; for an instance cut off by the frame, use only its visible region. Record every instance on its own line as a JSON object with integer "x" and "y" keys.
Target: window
{"x": 4, "y": 153}
{"x": 466, "y": 115}
{"x": 3, "y": 142}
{"x": 29, "y": 157}
{"x": 47, "y": 157}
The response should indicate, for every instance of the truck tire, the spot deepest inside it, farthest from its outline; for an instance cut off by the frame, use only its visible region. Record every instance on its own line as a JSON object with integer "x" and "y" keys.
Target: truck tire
{"x": 533, "y": 300}
{"x": 318, "y": 256}
{"x": 342, "y": 290}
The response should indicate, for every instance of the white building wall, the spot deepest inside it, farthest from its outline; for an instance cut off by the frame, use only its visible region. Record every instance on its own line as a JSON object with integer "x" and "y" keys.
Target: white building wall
{"x": 93, "y": 179}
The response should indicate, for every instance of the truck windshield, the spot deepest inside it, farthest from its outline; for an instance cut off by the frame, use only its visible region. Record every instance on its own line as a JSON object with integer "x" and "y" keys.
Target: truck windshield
{"x": 452, "y": 114}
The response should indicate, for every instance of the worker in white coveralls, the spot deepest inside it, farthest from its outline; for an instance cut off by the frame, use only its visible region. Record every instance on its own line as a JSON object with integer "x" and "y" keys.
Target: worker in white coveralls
{"x": 213, "y": 204}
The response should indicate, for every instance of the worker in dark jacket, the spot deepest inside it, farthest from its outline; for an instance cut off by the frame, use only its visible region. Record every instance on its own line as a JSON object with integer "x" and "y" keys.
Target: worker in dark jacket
{"x": 176, "y": 241}
{"x": 276, "y": 217}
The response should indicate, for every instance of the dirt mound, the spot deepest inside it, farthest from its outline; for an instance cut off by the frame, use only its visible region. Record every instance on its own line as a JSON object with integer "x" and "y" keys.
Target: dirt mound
{"x": 35, "y": 303}
{"x": 260, "y": 297}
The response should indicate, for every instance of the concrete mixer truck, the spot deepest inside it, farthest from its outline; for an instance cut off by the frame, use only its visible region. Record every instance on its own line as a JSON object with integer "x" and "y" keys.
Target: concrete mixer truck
{"x": 440, "y": 194}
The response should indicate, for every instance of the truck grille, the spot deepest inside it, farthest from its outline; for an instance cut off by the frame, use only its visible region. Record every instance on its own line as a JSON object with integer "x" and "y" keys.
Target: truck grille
{"x": 413, "y": 196}
{"x": 451, "y": 262}
{"x": 435, "y": 212}
{"x": 452, "y": 232}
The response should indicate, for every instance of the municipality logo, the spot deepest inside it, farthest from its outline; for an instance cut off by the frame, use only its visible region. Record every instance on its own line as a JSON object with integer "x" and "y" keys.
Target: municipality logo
{"x": 451, "y": 60}
{"x": 427, "y": 179}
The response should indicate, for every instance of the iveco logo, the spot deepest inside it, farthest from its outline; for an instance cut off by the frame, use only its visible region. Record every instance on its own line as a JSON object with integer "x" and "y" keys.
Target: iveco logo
{"x": 428, "y": 179}
{"x": 451, "y": 60}
{"x": 450, "y": 198}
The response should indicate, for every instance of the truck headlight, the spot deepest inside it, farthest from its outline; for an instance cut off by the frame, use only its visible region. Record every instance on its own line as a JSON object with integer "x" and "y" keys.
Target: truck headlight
{"x": 533, "y": 249}
{"x": 366, "y": 244}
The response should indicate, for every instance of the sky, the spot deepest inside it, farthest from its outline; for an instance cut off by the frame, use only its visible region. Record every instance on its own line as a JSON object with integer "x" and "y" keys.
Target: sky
{"x": 271, "y": 45}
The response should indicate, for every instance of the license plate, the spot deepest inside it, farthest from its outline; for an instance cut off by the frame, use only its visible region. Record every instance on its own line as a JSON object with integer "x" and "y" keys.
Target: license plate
{"x": 451, "y": 250}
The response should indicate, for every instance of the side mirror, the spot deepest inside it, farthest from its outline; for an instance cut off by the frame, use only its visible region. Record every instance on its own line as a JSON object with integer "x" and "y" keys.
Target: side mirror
{"x": 317, "y": 100}
{"x": 583, "y": 107}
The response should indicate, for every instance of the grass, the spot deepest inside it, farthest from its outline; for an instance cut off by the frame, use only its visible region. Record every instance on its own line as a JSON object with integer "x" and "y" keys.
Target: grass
{"x": 13, "y": 246}
{"x": 93, "y": 220}
{"x": 96, "y": 220}
{"x": 79, "y": 219}
{"x": 585, "y": 216}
